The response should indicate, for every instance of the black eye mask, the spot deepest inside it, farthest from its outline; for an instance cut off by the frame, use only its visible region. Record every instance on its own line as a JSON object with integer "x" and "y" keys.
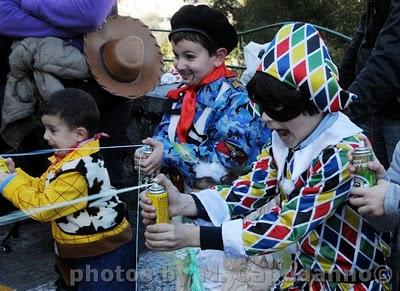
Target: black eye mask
{"x": 282, "y": 112}
{"x": 285, "y": 114}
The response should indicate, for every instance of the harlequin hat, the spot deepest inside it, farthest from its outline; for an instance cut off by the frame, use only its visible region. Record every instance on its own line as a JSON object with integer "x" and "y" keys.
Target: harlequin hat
{"x": 124, "y": 57}
{"x": 207, "y": 21}
{"x": 298, "y": 57}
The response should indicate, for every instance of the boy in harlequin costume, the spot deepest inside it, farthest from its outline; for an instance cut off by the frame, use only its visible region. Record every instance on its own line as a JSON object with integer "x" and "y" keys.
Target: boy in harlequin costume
{"x": 305, "y": 162}
{"x": 211, "y": 128}
{"x": 90, "y": 234}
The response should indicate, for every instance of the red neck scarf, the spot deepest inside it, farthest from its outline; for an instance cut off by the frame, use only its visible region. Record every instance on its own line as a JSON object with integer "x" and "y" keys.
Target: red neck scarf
{"x": 189, "y": 99}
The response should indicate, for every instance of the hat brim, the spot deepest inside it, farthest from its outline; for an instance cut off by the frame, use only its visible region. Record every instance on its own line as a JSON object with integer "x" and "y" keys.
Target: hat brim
{"x": 117, "y": 27}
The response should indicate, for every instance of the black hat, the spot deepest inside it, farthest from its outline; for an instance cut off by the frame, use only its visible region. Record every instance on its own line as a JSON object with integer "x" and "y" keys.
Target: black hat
{"x": 207, "y": 21}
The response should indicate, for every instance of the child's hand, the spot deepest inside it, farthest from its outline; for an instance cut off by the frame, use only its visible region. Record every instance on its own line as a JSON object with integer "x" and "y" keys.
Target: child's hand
{"x": 150, "y": 164}
{"x": 374, "y": 165}
{"x": 148, "y": 211}
{"x": 169, "y": 237}
{"x": 10, "y": 164}
{"x": 174, "y": 196}
{"x": 370, "y": 201}
{"x": 139, "y": 157}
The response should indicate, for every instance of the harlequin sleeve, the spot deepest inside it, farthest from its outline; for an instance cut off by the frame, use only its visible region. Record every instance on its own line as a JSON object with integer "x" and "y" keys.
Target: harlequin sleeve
{"x": 235, "y": 134}
{"x": 325, "y": 188}
{"x": 247, "y": 193}
{"x": 26, "y": 193}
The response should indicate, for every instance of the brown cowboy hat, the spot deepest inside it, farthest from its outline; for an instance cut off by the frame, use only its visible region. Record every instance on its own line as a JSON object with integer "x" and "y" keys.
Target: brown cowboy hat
{"x": 124, "y": 57}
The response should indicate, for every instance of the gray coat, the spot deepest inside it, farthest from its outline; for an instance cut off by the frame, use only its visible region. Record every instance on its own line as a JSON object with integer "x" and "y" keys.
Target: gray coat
{"x": 35, "y": 66}
{"x": 390, "y": 219}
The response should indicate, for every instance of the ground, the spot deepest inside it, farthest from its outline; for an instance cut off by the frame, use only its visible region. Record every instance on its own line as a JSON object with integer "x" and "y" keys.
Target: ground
{"x": 29, "y": 264}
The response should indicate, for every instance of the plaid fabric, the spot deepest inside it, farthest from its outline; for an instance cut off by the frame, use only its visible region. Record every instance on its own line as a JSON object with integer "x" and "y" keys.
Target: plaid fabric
{"x": 298, "y": 57}
{"x": 329, "y": 234}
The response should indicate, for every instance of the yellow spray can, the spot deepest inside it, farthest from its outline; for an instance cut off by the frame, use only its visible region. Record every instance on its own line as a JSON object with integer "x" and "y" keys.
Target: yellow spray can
{"x": 159, "y": 198}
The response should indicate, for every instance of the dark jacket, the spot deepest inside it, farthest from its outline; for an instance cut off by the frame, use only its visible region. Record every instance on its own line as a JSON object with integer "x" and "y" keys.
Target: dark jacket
{"x": 5, "y": 49}
{"x": 370, "y": 67}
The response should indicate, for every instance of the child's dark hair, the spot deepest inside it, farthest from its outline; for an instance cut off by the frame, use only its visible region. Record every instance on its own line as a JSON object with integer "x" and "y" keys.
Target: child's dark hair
{"x": 269, "y": 92}
{"x": 75, "y": 107}
{"x": 210, "y": 46}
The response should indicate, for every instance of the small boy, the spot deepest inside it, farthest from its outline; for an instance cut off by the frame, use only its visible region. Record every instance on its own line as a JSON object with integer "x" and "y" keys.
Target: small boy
{"x": 304, "y": 163}
{"x": 212, "y": 128}
{"x": 89, "y": 236}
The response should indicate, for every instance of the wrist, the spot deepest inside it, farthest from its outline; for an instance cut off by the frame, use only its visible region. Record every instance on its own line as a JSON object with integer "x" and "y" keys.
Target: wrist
{"x": 385, "y": 177}
{"x": 4, "y": 180}
{"x": 184, "y": 206}
{"x": 174, "y": 209}
{"x": 192, "y": 236}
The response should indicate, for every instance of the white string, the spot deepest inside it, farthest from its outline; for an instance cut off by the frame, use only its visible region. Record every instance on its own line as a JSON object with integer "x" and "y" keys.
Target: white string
{"x": 137, "y": 219}
{"x": 22, "y": 215}
{"x": 46, "y": 151}
{"x": 19, "y": 215}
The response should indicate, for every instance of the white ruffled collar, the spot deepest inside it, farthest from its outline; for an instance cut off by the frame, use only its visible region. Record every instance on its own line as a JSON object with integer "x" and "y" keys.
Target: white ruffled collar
{"x": 341, "y": 128}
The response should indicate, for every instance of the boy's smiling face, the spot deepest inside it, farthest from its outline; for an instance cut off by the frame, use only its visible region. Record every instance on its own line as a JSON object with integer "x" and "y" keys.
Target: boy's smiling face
{"x": 193, "y": 61}
{"x": 294, "y": 131}
{"x": 58, "y": 135}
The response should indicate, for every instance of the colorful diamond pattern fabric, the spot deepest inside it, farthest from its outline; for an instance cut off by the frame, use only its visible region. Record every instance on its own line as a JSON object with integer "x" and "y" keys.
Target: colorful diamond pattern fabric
{"x": 299, "y": 58}
{"x": 315, "y": 217}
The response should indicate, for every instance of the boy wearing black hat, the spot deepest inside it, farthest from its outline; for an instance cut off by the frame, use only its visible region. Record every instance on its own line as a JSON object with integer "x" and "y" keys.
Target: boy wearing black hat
{"x": 212, "y": 129}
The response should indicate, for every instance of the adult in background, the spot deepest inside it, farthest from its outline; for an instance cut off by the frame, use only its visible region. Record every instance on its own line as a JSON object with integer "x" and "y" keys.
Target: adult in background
{"x": 5, "y": 47}
{"x": 66, "y": 20}
{"x": 70, "y": 20}
{"x": 371, "y": 69}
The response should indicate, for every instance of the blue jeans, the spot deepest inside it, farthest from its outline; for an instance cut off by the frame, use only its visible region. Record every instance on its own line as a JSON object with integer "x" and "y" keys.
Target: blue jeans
{"x": 384, "y": 135}
{"x": 111, "y": 271}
